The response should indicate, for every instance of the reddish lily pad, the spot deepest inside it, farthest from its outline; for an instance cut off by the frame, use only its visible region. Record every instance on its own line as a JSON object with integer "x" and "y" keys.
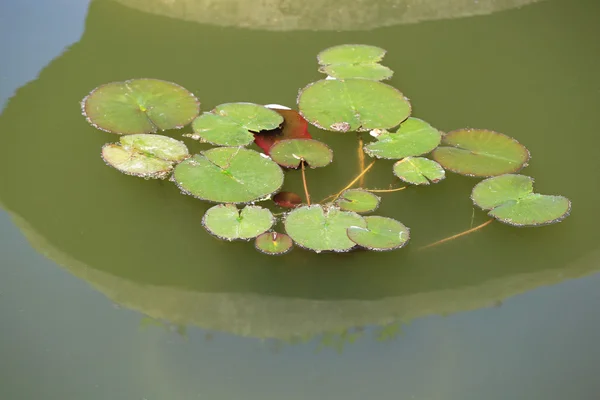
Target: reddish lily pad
{"x": 294, "y": 126}
{"x": 287, "y": 199}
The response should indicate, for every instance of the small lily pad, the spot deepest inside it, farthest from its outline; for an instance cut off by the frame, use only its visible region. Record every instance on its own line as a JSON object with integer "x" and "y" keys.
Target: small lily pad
{"x": 376, "y": 72}
{"x": 481, "y": 153}
{"x": 358, "y": 200}
{"x": 512, "y": 201}
{"x": 291, "y": 152}
{"x": 351, "y": 54}
{"x": 380, "y": 234}
{"x": 322, "y": 229}
{"x": 140, "y": 106}
{"x": 352, "y": 105}
{"x": 419, "y": 171}
{"x": 273, "y": 243}
{"x": 287, "y": 199}
{"x": 294, "y": 126}
{"x": 225, "y": 221}
{"x": 145, "y": 155}
{"x": 229, "y": 175}
{"x": 232, "y": 124}
{"x": 415, "y": 137}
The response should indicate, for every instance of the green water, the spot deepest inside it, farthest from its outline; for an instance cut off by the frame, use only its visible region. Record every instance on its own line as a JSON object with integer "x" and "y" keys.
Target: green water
{"x": 110, "y": 288}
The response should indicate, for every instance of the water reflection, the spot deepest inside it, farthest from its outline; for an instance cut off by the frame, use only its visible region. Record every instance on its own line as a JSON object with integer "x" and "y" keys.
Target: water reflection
{"x": 141, "y": 244}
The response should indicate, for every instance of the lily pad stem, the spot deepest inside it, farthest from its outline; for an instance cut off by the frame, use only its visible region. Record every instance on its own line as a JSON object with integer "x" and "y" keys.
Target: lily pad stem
{"x": 361, "y": 160}
{"x": 478, "y": 227}
{"x": 386, "y": 190}
{"x": 305, "y": 185}
{"x": 348, "y": 186}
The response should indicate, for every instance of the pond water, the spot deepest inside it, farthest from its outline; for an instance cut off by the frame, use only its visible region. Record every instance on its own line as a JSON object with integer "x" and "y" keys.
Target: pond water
{"x": 110, "y": 287}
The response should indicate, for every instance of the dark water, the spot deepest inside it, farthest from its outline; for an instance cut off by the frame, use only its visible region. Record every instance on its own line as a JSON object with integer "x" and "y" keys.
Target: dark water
{"x": 110, "y": 288}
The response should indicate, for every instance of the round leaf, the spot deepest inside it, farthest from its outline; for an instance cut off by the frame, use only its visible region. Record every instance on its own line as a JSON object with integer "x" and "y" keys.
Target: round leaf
{"x": 225, "y": 221}
{"x": 291, "y": 152}
{"x": 287, "y": 199}
{"x": 358, "y": 200}
{"x": 322, "y": 229}
{"x": 252, "y": 117}
{"x": 478, "y": 152}
{"x": 419, "y": 171}
{"x": 273, "y": 243}
{"x": 351, "y": 54}
{"x": 380, "y": 234}
{"x": 414, "y": 138}
{"x": 493, "y": 192}
{"x": 220, "y": 131}
{"x": 145, "y": 155}
{"x": 533, "y": 210}
{"x": 352, "y": 105}
{"x": 229, "y": 175}
{"x": 376, "y": 72}
{"x": 512, "y": 201}
{"x": 139, "y": 106}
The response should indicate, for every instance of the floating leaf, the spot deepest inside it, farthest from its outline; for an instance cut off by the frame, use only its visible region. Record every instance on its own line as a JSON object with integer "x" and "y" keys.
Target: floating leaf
{"x": 376, "y": 72}
{"x": 380, "y": 234}
{"x": 145, "y": 155}
{"x": 512, "y": 201}
{"x": 352, "y": 105}
{"x": 351, "y": 54}
{"x": 273, "y": 243}
{"x": 419, "y": 171}
{"x": 139, "y": 106}
{"x": 291, "y": 152}
{"x": 229, "y": 175}
{"x": 414, "y": 138}
{"x": 225, "y": 221}
{"x": 294, "y": 126}
{"x": 231, "y": 124}
{"x": 322, "y": 229}
{"x": 478, "y": 152}
{"x": 358, "y": 200}
{"x": 287, "y": 199}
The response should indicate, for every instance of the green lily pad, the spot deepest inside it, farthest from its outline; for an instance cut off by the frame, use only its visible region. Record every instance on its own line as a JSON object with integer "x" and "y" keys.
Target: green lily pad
{"x": 415, "y": 137}
{"x": 351, "y": 54}
{"x": 291, "y": 152}
{"x": 232, "y": 124}
{"x": 358, "y": 200}
{"x": 322, "y": 229}
{"x": 512, "y": 201}
{"x": 380, "y": 234}
{"x": 376, "y": 72}
{"x": 419, "y": 171}
{"x": 352, "y": 105}
{"x": 273, "y": 243}
{"x": 140, "y": 106}
{"x": 229, "y": 175}
{"x": 145, "y": 155}
{"x": 225, "y": 221}
{"x": 479, "y": 152}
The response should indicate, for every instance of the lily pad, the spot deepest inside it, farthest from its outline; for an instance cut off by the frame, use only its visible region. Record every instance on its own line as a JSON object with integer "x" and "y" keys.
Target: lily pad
{"x": 415, "y": 137}
{"x": 322, "y": 229}
{"x": 351, "y": 54}
{"x": 232, "y": 124}
{"x": 512, "y": 201}
{"x": 419, "y": 171}
{"x": 380, "y": 234}
{"x": 140, "y": 106}
{"x": 229, "y": 175}
{"x": 145, "y": 155}
{"x": 376, "y": 72}
{"x": 291, "y": 152}
{"x": 481, "y": 153}
{"x": 358, "y": 200}
{"x": 352, "y": 105}
{"x": 273, "y": 243}
{"x": 225, "y": 221}
{"x": 294, "y": 126}
{"x": 287, "y": 199}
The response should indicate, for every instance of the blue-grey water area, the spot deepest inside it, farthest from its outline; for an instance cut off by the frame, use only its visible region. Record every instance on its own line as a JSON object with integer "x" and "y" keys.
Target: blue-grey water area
{"x": 110, "y": 288}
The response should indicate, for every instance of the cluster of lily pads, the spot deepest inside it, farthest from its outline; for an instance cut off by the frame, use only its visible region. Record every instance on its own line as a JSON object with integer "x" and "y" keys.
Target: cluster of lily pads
{"x": 351, "y": 98}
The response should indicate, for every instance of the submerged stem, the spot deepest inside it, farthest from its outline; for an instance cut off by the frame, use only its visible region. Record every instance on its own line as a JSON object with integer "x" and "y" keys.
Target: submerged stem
{"x": 348, "y": 186}
{"x": 478, "y": 227}
{"x": 386, "y": 190}
{"x": 361, "y": 160}
{"x": 305, "y": 185}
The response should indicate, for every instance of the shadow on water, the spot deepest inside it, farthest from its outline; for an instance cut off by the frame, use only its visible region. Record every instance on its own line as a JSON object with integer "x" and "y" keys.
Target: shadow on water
{"x": 141, "y": 242}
